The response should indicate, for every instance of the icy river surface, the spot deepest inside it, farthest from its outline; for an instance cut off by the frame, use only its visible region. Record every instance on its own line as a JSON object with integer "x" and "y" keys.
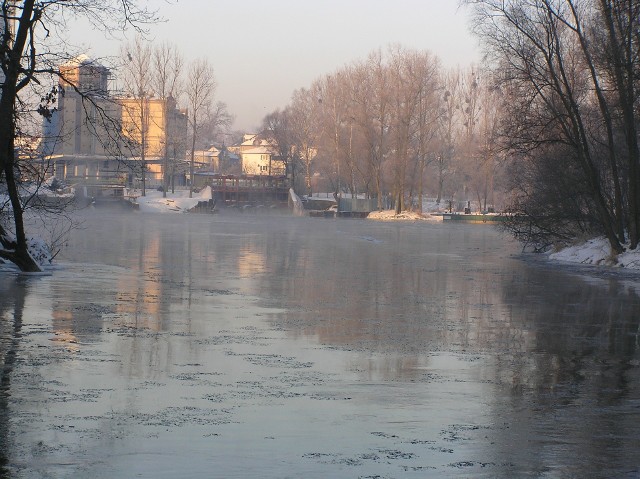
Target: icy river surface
{"x": 264, "y": 346}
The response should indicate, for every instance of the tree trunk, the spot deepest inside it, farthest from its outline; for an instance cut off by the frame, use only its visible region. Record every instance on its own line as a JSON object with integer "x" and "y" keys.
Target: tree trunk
{"x": 624, "y": 78}
{"x": 191, "y": 163}
{"x": 19, "y": 254}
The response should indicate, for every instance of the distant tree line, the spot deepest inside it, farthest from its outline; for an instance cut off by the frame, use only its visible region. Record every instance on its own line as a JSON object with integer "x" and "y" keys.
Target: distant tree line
{"x": 394, "y": 127}
{"x": 547, "y": 127}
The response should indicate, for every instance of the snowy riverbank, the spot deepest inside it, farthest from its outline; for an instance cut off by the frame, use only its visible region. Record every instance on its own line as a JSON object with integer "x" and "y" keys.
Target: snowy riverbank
{"x": 597, "y": 252}
{"x": 178, "y": 202}
{"x": 390, "y": 215}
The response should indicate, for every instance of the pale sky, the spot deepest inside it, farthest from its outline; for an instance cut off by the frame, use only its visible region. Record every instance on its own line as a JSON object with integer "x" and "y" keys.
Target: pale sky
{"x": 262, "y": 51}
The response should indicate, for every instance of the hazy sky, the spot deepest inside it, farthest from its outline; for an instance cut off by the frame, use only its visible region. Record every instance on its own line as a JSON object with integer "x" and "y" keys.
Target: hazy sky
{"x": 263, "y": 50}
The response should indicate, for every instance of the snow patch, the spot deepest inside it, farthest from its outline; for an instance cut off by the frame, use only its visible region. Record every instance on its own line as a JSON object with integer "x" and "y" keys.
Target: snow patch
{"x": 39, "y": 251}
{"x": 37, "y": 248}
{"x": 297, "y": 203}
{"x": 390, "y": 215}
{"x": 597, "y": 251}
{"x": 178, "y": 202}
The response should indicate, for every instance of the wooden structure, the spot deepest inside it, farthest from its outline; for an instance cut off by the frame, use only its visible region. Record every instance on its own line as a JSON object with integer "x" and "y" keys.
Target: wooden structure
{"x": 249, "y": 190}
{"x": 474, "y": 218}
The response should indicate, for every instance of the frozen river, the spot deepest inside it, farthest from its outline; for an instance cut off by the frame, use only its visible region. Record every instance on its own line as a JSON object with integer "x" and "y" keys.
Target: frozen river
{"x": 197, "y": 346}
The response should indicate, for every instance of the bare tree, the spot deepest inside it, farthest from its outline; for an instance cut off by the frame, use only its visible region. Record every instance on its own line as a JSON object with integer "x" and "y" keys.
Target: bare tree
{"x": 200, "y": 91}
{"x": 29, "y": 56}
{"x": 567, "y": 81}
{"x": 622, "y": 63}
{"x": 278, "y": 126}
{"x": 216, "y": 126}
{"x": 304, "y": 113}
{"x": 448, "y": 130}
{"x": 167, "y": 65}
{"x": 414, "y": 75}
{"x": 484, "y": 153}
{"x": 137, "y": 80}
{"x": 369, "y": 126}
{"x": 372, "y": 114}
{"x": 335, "y": 116}
{"x": 426, "y": 120}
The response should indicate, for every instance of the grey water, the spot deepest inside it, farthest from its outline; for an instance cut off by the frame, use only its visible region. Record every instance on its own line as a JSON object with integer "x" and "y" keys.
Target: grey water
{"x": 269, "y": 346}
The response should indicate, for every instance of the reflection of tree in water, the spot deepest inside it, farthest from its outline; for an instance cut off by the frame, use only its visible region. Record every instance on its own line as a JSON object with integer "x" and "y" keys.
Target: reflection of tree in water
{"x": 12, "y": 298}
{"x": 577, "y": 386}
{"x": 578, "y": 326}
{"x": 403, "y": 292}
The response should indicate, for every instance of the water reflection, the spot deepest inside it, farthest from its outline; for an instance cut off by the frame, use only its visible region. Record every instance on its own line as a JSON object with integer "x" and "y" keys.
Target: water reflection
{"x": 437, "y": 340}
{"x": 13, "y": 291}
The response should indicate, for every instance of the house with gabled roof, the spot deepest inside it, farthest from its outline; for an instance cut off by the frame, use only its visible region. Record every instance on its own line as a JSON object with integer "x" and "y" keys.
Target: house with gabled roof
{"x": 259, "y": 155}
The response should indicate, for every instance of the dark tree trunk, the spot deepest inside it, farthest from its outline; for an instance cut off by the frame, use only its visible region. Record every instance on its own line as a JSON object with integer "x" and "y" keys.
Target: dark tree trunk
{"x": 18, "y": 253}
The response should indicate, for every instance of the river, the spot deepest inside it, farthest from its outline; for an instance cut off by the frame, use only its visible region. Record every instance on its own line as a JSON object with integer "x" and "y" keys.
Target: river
{"x": 269, "y": 346}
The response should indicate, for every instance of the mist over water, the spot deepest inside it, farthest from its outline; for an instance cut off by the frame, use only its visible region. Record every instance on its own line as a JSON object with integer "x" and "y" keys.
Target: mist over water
{"x": 267, "y": 346}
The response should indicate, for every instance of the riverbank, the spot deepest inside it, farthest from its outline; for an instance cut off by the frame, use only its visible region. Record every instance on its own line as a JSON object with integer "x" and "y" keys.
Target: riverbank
{"x": 178, "y": 202}
{"x": 390, "y": 215}
{"x": 598, "y": 252}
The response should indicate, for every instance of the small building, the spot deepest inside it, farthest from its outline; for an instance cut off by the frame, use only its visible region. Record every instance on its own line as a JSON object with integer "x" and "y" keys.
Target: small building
{"x": 259, "y": 155}
{"x": 208, "y": 159}
{"x": 217, "y": 160}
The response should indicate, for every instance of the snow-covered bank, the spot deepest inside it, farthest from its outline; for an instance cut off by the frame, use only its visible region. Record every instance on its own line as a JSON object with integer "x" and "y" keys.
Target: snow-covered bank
{"x": 178, "y": 202}
{"x": 390, "y": 215}
{"x": 598, "y": 252}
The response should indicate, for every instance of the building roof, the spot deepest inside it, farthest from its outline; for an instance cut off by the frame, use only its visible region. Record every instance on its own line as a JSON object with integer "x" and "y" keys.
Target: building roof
{"x": 253, "y": 139}
{"x": 259, "y": 150}
{"x": 82, "y": 59}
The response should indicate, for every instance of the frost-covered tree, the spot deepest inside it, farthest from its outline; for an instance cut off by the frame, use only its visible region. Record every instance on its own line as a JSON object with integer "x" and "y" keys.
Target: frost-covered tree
{"x": 30, "y": 53}
{"x": 570, "y": 70}
{"x": 200, "y": 91}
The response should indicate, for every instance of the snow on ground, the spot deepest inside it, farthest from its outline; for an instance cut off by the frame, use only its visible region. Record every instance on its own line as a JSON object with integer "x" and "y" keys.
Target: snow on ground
{"x": 178, "y": 202}
{"x": 389, "y": 215}
{"x": 598, "y": 252}
{"x": 49, "y": 188}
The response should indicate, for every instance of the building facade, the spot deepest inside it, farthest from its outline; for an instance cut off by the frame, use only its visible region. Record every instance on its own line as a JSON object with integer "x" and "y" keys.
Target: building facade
{"x": 96, "y": 138}
{"x": 157, "y": 130}
{"x": 259, "y": 156}
{"x": 81, "y": 137}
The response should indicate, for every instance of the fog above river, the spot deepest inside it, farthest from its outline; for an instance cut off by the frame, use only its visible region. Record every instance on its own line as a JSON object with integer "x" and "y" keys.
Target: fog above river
{"x": 271, "y": 346}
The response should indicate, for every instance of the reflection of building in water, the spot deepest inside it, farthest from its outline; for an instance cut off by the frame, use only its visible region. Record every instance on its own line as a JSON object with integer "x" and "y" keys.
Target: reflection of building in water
{"x": 250, "y": 262}
{"x": 140, "y": 296}
{"x": 74, "y": 318}
{"x": 64, "y": 324}
{"x": 80, "y": 311}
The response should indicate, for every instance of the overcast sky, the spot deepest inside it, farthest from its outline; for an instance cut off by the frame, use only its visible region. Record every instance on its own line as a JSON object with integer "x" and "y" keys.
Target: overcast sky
{"x": 263, "y": 50}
